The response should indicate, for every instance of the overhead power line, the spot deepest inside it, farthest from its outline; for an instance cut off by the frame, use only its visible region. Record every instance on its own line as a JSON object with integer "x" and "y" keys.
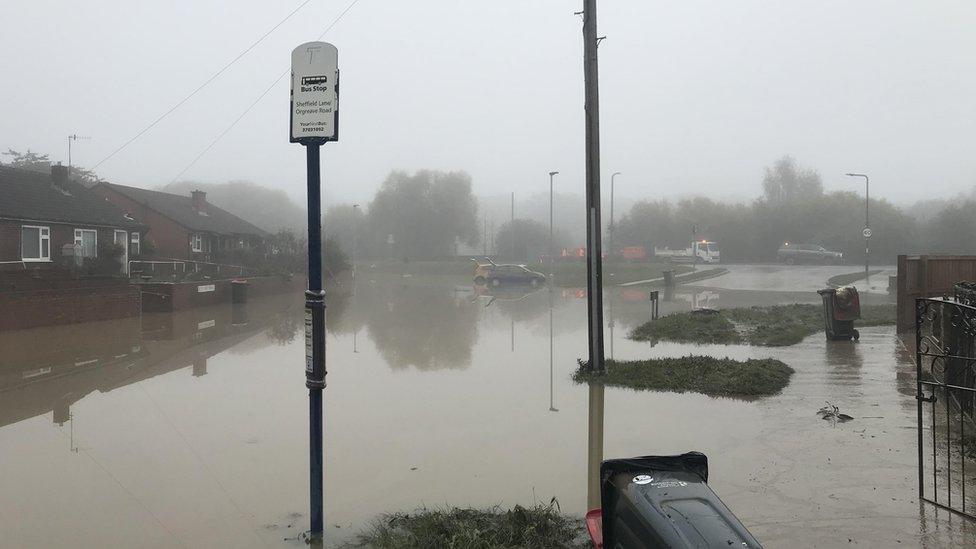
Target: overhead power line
{"x": 203, "y": 85}
{"x": 258, "y": 100}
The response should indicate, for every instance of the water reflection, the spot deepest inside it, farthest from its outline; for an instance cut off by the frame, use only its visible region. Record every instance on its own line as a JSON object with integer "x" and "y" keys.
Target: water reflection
{"x": 594, "y": 445}
{"x": 552, "y": 378}
{"x": 49, "y": 369}
{"x": 428, "y": 328}
{"x": 845, "y": 361}
{"x": 477, "y": 436}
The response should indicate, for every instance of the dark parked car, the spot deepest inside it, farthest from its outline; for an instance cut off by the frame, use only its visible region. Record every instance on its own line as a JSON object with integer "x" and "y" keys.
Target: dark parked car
{"x": 807, "y": 253}
{"x": 496, "y": 275}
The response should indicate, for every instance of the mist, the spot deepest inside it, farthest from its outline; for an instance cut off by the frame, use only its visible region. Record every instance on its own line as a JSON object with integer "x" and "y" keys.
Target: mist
{"x": 696, "y": 98}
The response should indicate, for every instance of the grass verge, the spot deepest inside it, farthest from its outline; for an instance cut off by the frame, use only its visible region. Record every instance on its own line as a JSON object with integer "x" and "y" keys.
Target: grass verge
{"x": 683, "y": 275}
{"x": 566, "y": 273}
{"x": 697, "y": 374}
{"x": 775, "y": 326}
{"x": 542, "y": 526}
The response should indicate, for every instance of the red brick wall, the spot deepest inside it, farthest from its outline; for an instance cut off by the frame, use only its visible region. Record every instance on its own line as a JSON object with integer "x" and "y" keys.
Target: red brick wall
{"x": 171, "y": 240}
{"x": 9, "y": 241}
{"x": 29, "y": 309}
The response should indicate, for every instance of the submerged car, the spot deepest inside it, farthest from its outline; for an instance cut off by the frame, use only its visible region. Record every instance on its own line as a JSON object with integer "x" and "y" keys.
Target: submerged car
{"x": 807, "y": 253}
{"x": 494, "y": 274}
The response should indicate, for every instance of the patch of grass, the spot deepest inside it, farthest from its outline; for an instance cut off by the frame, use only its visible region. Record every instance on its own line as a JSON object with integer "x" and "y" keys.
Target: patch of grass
{"x": 693, "y": 373}
{"x": 542, "y": 526}
{"x": 846, "y": 279}
{"x": 688, "y": 327}
{"x": 774, "y": 326}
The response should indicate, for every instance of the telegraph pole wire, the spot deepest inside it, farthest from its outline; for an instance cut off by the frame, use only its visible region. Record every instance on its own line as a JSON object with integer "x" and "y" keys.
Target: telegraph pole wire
{"x": 207, "y": 82}
{"x": 256, "y": 101}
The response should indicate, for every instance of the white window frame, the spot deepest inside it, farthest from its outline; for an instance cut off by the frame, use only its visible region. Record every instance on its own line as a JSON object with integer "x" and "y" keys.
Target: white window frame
{"x": 135, "y": 245}
{"x": 196, "y": 243}
{"x": 79, "y": 240}
{"x": 43, "y": 233}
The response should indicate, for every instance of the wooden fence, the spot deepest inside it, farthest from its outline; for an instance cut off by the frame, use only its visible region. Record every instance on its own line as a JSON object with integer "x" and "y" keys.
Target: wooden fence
{"x": 928, "y": 276}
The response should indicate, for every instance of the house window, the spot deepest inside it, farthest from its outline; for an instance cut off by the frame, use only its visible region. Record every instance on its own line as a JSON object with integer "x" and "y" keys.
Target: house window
{"x": 88, "y": 239}
{"x": 35, "y": 243}
{"x": 196, "y": 243}
{"x": 134, "y": 244}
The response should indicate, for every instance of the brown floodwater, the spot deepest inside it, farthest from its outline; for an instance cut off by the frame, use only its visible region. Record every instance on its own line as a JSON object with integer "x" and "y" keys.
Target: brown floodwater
{"x": 190, "y": 429}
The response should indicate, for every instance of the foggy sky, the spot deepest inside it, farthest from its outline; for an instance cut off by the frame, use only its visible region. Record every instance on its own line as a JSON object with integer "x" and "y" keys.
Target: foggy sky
{"x": 696, "y": 96}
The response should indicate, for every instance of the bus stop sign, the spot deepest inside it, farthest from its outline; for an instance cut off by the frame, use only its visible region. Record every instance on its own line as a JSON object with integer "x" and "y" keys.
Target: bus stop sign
{"x": 314, "y": 93}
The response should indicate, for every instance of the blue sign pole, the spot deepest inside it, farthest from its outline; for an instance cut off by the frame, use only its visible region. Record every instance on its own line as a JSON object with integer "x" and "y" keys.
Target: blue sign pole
{"x": 314, "y": 120}
{"x": 315, "y": 339}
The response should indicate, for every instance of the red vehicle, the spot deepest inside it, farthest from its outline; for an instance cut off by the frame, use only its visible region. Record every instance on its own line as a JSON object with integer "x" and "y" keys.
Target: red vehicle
{"x": 634, "y": 253}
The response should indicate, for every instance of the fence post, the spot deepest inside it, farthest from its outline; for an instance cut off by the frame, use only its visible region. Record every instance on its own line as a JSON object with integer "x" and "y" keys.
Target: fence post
{"x": 922, "y": 280}
{"x": 901, "y": 296}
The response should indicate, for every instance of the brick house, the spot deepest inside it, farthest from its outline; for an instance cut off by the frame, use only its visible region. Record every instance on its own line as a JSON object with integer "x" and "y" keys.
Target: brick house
{"x": 185, "y": 227}
{"x": 50, "y": 223}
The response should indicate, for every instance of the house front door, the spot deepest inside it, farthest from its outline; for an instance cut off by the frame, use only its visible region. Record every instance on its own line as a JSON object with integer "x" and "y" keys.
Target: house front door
{"x": 122, "y": 239}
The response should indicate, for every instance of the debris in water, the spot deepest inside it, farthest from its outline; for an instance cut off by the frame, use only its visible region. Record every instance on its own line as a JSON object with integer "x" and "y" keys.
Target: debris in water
{"x": 832, "y": 414}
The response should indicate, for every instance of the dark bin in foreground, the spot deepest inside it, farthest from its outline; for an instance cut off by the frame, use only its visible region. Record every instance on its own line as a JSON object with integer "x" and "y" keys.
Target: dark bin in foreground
{"x": 238, "y": 291}
{"x": 664, "y": 501}
{"x": 841, "y": 308}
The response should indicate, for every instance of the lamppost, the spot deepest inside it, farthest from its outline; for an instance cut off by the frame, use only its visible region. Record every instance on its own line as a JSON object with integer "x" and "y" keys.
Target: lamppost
{"x": 612, "y": 228}
{"x": 552, "y": 175}
{"x": 355, "y": 225}
{"x": 867, "y": 220}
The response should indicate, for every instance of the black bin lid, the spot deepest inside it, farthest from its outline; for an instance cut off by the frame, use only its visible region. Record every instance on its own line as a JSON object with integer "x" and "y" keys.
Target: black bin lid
{"x": 665, "y": 501}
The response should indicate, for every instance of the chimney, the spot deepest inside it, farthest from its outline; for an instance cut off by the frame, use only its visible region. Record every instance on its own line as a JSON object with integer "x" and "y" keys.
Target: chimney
{"x": 199, "y": 200}
{"x": 59, "y": 175}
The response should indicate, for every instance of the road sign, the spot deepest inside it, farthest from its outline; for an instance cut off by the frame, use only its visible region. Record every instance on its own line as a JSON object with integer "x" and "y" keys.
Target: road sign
{"x": 866, "y": 232}
{"x": 314, "y": 93}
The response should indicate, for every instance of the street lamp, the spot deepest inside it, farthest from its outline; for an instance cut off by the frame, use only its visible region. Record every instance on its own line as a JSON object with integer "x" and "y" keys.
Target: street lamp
{"x": 552, "y": 175}
{"x": 612, "y": 181}
{"x": 867, "y": 220}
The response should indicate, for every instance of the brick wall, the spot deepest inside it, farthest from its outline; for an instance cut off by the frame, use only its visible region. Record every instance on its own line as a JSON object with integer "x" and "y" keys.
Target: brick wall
{"x": 171, "y": 240}
{"x": 29, "y": 309}
{"x": 163, "y": 297}
{"x": 9, "y": 241}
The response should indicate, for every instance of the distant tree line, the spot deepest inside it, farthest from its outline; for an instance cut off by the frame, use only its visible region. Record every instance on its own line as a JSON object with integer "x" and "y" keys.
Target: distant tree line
{"x": 425, "y": 215}
{"x": 38, "y": 162}
{"x": 795, "y": 208}
{"x": 433, "y": 214}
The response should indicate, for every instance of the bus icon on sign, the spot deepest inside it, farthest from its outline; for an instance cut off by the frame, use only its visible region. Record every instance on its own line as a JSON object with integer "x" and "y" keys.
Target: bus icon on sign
{"x": 309, "y": 80}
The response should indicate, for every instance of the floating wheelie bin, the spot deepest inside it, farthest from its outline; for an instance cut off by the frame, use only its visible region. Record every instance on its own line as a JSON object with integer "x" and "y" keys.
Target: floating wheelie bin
{"x": 841, "y": 308}
{"x": 663, "y": 501}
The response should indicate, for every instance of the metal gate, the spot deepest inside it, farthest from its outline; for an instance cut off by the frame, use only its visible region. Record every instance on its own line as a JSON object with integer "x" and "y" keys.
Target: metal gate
{"x": 945, "y": 362}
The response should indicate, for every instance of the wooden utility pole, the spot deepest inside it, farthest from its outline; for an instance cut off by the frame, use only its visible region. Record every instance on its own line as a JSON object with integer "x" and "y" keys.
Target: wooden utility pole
{"x": 594, "y": 249}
